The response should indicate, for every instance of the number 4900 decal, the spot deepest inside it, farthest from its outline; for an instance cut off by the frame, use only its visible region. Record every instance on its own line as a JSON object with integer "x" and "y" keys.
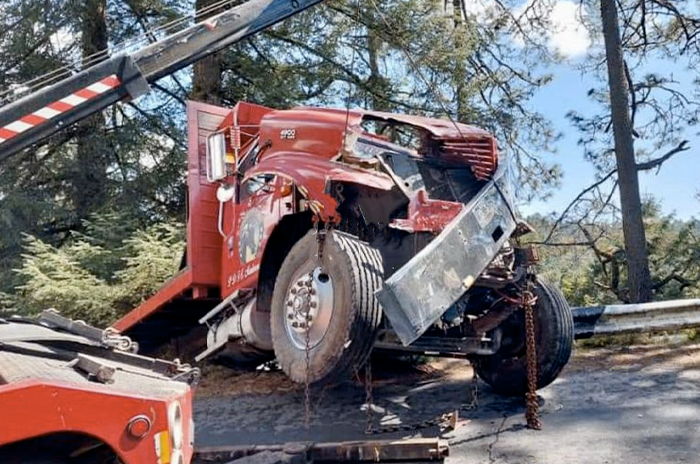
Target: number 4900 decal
{"x": 288, "y": 134}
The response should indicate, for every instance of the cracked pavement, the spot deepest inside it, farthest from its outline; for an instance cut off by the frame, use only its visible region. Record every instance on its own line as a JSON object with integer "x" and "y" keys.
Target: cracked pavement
{"x": 609, "y": 406}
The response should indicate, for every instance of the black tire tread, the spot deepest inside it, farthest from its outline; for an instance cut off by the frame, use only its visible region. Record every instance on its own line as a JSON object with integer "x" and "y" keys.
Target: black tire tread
{"x": 513, "y": 382}
{"x": 566, "y": 330}
{"x": 366, "y": 276}
{"x": 366, "y": 264}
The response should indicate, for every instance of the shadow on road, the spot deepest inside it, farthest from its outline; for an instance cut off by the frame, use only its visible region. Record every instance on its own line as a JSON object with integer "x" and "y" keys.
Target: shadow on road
{"x": 609, "y": 405}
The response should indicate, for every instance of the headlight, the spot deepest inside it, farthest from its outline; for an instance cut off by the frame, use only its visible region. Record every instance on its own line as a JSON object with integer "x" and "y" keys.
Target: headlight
{"x": 175, "y": 425}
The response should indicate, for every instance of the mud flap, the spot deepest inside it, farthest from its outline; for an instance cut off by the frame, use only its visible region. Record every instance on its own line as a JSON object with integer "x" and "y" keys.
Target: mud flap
{"x": 416, "y": 295}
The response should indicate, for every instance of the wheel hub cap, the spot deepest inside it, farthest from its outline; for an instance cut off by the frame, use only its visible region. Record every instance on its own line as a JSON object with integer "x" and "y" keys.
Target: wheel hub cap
{"x": 308, "y": 308}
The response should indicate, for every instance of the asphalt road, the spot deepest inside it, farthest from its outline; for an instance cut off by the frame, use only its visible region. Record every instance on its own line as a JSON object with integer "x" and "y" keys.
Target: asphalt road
{"x": 609, "y": 406}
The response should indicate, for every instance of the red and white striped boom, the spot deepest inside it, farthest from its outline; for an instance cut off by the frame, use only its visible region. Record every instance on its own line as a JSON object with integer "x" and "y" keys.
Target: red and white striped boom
{"x": 34, "y": 118}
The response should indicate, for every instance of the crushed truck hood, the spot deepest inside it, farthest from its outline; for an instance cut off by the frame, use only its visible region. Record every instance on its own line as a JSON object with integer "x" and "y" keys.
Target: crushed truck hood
{"x": 438, "y": 127}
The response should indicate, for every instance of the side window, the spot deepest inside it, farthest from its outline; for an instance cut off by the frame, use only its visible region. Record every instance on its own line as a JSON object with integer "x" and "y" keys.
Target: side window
{"x": 261, "y": 183}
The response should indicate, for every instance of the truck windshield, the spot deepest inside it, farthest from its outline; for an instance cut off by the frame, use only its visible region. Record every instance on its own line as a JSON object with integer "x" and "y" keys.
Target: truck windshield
{"x": 403, "y": 135}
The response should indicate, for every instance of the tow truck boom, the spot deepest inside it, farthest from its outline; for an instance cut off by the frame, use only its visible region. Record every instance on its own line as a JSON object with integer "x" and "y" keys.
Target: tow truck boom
{"x": 35, "y": 117}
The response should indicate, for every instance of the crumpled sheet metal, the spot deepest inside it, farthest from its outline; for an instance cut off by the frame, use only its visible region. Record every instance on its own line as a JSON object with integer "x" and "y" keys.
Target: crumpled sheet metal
{"x": 416, "y": 295}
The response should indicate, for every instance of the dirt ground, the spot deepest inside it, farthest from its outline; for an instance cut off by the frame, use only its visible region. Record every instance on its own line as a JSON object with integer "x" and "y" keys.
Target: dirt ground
{"x": 621, "y": 405}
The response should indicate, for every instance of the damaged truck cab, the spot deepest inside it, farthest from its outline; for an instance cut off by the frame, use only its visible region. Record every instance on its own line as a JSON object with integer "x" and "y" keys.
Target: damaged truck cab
{"x": 316, "y": 235}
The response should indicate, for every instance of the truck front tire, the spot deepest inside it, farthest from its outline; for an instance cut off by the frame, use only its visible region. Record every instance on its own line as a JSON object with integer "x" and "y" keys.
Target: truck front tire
{"x": 506, "y": 370}
{"x": 327, "y": 305}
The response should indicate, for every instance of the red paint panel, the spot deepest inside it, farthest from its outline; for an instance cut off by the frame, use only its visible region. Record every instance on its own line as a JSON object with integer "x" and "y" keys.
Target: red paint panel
{"x": 111, "y": 81}
{"x": 87, "y": 94}
{"x": 426, "y": 215}
{"x": 33, "y": 119}
{"x": 6, "y": 134}
{"x": 42, "y": 407}
{"x": 204, "y": 243}
{"x": 60, "y": 106}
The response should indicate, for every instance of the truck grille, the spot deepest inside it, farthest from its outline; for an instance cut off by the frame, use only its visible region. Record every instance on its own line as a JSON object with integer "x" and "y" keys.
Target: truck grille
{"x": 480, "y": 152}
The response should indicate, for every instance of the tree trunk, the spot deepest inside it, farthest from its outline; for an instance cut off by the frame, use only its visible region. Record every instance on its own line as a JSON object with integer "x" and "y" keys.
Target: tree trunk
{"x": 459, "y": 77}
{"x": 375, "y": 81}
{"x": 632, "y": 220}
{"x": 206, "y": 85}
{"x": 89, "y": 182}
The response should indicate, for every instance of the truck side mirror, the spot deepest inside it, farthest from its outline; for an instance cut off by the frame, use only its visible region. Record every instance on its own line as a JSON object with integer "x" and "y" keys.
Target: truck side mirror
{"x": 216, "y": 157}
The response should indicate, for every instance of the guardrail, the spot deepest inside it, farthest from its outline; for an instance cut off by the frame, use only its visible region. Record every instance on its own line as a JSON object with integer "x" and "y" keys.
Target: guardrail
{"x": 658, "y": 316}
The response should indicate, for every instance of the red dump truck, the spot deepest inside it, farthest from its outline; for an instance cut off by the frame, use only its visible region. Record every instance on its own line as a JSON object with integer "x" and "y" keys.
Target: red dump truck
{"x": 315, "y": 235}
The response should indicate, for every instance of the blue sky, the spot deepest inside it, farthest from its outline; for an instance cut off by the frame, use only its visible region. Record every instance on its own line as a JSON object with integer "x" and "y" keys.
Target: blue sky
{"x": 675, "y": 185}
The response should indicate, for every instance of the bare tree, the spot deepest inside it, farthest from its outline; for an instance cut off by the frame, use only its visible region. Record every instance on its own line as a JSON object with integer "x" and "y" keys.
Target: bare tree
{"x": 630, "y": 202}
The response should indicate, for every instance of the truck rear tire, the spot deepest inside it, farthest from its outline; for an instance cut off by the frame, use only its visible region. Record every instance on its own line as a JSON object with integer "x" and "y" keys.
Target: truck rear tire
{"x": 332, "y": 302}
{"x": 506, "y": 370}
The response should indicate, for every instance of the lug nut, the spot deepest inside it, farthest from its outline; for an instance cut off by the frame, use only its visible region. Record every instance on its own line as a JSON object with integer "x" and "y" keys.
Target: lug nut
{"x": 312, "y": 291}
{"x": 300, "y": 283}
{"x": 312, "y": 304}
{"x": 294, "y": 291}
{"x": 309, "y": 317}
{"x": 295, "y": 324}
{"x": 290, "y": 303}
{"x": 290, "y": 315}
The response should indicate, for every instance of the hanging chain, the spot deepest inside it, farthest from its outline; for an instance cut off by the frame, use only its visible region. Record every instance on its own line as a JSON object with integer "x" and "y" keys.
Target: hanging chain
{"x": 532, "y": 414}
{"x": 443, "y": 421}
{"x": 369, "y": 400}
{"x": 321, "y": 234}
{"x": 307, "y": 382}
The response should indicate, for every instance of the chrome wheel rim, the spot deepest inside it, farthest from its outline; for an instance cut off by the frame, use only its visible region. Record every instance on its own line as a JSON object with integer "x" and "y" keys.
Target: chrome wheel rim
{"x": 308, "y": 307}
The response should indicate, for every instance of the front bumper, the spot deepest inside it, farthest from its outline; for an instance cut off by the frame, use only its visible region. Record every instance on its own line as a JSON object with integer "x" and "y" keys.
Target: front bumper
{"x": 416, "y": 295}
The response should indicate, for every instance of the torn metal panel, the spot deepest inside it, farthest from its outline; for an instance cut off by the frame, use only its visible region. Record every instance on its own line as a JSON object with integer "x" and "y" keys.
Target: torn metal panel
{"x": 426, "y": 215}
{"x": 416, "y": 295}
{"x": 312, "y": 175}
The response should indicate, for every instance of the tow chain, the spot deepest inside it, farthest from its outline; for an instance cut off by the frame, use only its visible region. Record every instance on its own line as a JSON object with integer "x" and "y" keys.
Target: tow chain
{"x": 369, "y": 428}
{"x": 532, "y": 414}
{"x": 320, "y": 242}
{"x": 307, "y": 380}
{"x": 444, "y": 421}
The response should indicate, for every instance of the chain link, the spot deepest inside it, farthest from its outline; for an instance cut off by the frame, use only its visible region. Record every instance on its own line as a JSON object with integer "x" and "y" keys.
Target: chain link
{"x": 320, "y": 242}
{"x": 446, "y": 420}
{"x": 369, "y": 400}
{"x": 532, "y": 414}
{"x": 307, "y": 382}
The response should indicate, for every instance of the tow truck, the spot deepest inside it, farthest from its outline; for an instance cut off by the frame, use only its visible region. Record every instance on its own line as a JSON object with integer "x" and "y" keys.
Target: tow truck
{"x": 70, "y": 392}
{"x": 317, "y": 235}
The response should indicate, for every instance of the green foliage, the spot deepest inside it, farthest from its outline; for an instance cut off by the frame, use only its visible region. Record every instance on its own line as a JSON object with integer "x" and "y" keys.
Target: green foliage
{"x": 90, "y": 279}
{"x": 150, "y": 258}
{"x": 125, "y": 169}
{"x": 132, "y": 155}
{"x": 595, "y": 272}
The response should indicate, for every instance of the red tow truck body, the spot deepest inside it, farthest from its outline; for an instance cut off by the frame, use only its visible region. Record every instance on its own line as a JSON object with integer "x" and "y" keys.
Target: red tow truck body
{"x": 65, "y": 394}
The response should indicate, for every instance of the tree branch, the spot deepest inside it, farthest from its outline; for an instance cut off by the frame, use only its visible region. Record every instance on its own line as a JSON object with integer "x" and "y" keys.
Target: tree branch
{"x": 657, "y": 162}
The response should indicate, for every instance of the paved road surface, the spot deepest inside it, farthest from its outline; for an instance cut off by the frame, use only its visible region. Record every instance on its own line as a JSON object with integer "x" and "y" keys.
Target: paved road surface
{"x": 609, "y": 406}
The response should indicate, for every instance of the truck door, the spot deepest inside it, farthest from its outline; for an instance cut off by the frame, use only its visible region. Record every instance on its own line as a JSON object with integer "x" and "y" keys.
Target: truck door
{"x": 254, "y": 218}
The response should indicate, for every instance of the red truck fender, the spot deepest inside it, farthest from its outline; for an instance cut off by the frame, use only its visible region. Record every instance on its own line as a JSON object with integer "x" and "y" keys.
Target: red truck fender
{"x": 312, "y": 175}
{"x": 41, "y": 408}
